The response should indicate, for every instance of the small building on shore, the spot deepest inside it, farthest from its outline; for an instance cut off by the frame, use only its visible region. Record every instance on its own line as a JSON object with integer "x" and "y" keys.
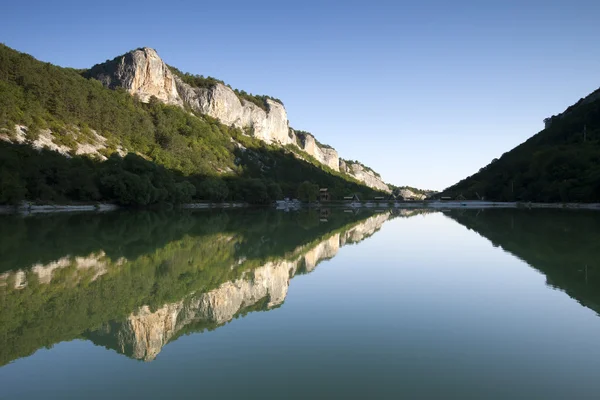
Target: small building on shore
{"x": 354, "y": 197}
{"x": 324, "y": 195}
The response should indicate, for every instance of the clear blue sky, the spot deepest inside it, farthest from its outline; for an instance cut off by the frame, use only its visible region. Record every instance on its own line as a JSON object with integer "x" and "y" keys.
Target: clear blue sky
{"x": 425, "y": 92}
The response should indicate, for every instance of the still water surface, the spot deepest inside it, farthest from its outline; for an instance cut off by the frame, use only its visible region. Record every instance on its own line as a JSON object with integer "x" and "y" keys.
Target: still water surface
{"x": 488, "y": 304}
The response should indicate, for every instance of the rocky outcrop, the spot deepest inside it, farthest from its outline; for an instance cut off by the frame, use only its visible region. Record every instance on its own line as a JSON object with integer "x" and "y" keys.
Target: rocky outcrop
{"x": 144, "y": 333}
{"x": 142, "y": 73}
{"x": 365, "y": 175}
{"x": 91, "y": 144}
{"x": 366, "y": 229}
{"x": 325, "y": 250}
{"x": 90, "y": 267}
{"x": 408, "y": 194}
{"x": 221, "y": 102}
{"x": 324, "y": 154}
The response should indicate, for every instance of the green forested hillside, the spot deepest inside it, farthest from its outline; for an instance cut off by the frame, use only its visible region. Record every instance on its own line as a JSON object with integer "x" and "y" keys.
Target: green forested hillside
{"x": 177, "y": 156}
{"x": 559, "y": 164}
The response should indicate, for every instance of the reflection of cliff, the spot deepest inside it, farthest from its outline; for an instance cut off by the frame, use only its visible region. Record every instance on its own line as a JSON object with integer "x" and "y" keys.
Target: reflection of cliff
{"x": 562, "y": 244}
{"x": 86, "y": 270}
{"x": 143, "y": 334}
{"x": 94, "y": 266}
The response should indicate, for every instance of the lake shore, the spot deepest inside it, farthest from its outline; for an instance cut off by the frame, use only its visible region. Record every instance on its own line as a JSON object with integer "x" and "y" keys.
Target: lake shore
{"x": 29, "y": 208}
{"x": 469, "y": 204}
{"x": 296, "y": 205}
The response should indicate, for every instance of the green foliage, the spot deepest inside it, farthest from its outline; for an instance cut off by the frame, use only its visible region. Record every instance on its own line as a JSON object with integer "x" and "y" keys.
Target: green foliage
{"x": 274, "y": 191}
{"x": 308, "y": 192}
{"x": 559, "y": 164}
{"x": 213, "y": 189}
{"x": 258, "y": 100}
{"x": 12, "y": 188}
{"x": 184, "y": 148}
{"x": 198, "y": 81}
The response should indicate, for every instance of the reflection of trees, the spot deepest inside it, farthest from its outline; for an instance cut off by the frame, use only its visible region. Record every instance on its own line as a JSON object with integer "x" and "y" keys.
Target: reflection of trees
{"x": 140, "y": 259}
{"x": 562, "y": 244}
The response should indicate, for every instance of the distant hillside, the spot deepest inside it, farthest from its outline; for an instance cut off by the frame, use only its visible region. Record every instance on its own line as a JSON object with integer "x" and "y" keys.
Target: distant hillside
{"x": 106, "y": 143}
{"x": 412, "y": 193}
{"x": 559, "y": 164}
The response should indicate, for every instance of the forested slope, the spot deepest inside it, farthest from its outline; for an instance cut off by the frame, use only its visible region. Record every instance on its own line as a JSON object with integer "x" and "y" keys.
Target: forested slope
{"x": 559, "y": 164}
{"x": 173, "y": 155}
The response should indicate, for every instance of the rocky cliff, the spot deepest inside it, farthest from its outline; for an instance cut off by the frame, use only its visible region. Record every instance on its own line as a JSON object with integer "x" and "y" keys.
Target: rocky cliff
{"x": 408, "y": 194}
{"x": 144, "y": 74}
{"x": 364, "y": 174}
{"x": 144, "y": 333}
{"x": 324, "y": 154}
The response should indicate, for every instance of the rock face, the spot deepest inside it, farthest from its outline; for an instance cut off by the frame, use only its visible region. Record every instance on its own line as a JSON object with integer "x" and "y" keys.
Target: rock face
{"x": 325, "y": 155}
{"x": 144, "y": 333}
{"x": 367, "y": 176}
{"x": 222, "y": 103}
{"x": 408, "y": 194}
{"x": 143, "y": 73}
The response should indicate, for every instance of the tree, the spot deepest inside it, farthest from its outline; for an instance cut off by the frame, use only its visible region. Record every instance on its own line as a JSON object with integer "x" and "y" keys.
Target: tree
{"x": 274, "y": 190}
{"x": 12, "y": 188}
{"x": 308, "y": 192}
{"x": 213, "y": 189}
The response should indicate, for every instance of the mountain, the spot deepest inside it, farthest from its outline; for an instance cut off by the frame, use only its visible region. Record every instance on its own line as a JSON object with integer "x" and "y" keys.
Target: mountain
{"x": 411, "y": 193}
{"x": 559, "y": 164}
{"x": 144, "y": 74}
{"x": 137, "y": 131}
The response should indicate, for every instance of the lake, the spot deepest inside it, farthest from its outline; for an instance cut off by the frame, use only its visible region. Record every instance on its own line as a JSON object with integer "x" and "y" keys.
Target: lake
{"x": 494, "y": 304}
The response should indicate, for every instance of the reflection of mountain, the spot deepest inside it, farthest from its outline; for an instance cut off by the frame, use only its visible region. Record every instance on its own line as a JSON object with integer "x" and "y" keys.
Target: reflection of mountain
{"x": 180, "y": 272}
{"x": 562, "y": 244}
{"x": 143, "y": 334}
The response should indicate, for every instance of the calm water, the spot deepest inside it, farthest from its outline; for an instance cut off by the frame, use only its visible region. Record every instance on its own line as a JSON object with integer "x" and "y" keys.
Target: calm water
{"x": 491, "y": 304}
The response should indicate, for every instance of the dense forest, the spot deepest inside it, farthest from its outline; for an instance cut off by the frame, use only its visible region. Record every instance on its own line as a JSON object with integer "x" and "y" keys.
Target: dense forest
{"x": 173, "y": 155}
{"x": 559, "y": 164}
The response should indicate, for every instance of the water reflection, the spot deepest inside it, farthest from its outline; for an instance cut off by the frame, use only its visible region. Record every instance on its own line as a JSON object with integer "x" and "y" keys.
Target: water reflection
{"x": 562, "y": 244}
{"x": 133, "y": 282}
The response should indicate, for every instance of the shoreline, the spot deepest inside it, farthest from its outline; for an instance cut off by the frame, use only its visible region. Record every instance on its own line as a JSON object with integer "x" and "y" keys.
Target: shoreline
{"x": 57, "y": 208}
{"x": 30, "y": 209}
{"x": 475, "y": 204}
